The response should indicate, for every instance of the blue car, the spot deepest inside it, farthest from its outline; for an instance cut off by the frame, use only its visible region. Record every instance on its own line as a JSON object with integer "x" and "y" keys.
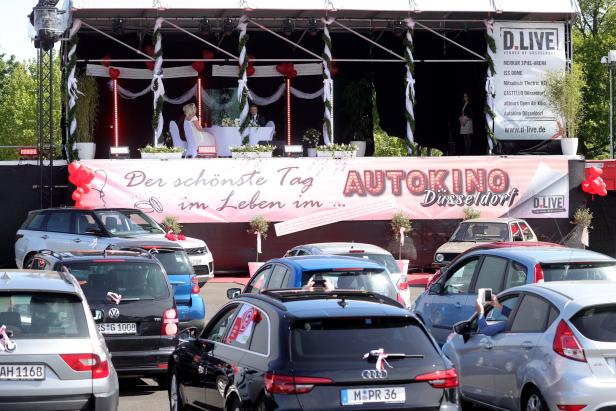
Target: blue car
{"x": 453, "y": 297}
{"x": 349, "y": 273}
{"x": 190, "y": 304}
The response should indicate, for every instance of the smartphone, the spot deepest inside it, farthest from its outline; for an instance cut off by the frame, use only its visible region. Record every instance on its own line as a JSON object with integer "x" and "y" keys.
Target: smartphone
{"x": 485, "y": 295}
{"x": 318, "y": 282}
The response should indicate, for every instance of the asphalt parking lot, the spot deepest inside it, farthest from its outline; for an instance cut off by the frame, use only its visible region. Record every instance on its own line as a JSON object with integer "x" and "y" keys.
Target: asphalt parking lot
{"x": 145, "y": 394}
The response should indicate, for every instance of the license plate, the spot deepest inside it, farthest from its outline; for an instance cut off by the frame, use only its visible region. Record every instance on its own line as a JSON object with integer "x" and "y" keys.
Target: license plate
{"x": 358, "y": 396}
{"x": 117, "y": 328}
{"x": 12, "y": 372}
{"x": 197, "y": 261}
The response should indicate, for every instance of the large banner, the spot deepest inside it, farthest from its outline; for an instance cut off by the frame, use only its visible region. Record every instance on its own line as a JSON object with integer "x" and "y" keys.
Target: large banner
{"x": 309, "y": 192}
{"x": 524, "y": 53}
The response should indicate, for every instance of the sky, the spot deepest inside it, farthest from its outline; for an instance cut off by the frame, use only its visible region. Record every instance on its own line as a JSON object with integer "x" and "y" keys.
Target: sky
{"x": 14, "y": 28}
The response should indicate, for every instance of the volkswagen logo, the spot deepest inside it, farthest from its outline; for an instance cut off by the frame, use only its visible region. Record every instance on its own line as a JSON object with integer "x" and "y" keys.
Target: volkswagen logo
{"x": 373, "y": 374}
{"x": 113, "y": 313}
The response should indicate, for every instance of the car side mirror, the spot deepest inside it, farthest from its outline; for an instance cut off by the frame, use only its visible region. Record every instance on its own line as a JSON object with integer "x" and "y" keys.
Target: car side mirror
{"x": 206, "y": 345}
{"x": 98, "y": 315}
{"x": 462, "y": 327}
{"x": 233, "y": 293}
{"x": 436, "y": 288}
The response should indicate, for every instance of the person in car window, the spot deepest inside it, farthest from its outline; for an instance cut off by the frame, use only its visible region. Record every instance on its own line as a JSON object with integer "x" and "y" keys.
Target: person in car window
{"x": 491, "y": 329}
{"x": 312, "y": 285}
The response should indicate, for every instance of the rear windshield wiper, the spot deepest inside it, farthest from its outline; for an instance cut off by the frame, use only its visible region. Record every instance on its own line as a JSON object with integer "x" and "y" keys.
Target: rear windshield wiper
{"x": 399, "y": 356}
{"x": 135, "y": 299}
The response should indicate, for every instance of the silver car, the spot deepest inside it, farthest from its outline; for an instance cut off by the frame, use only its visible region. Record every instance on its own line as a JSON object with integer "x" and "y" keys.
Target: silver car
{"x": 558, "y": 351}
{"x": 51, "y": 355}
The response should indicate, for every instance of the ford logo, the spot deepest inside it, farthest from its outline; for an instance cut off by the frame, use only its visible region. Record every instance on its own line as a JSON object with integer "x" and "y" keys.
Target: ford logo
{"x": 113, "y": 313}
{"x": 373, "y": 374}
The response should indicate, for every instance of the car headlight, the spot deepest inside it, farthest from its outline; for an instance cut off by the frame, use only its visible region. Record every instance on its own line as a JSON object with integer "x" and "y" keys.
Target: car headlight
{"x": 439, "y": 258}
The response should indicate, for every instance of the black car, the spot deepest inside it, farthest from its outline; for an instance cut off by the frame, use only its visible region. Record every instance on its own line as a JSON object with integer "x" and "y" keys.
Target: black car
{"x": 311, "y": 350}
{"x": 132, "y": 303}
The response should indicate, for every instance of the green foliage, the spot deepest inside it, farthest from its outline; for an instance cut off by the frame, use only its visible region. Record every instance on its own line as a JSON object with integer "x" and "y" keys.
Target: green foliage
{"x": 171, "y": 223}
{"x": 470, "y": 213}
{"x": 247, "y": 148}
{"x": 357, "y": 97}
{"x": 19, "y": 105}
{"x": 582, "y": 217}
{"x": 161, "y": 149}
{"x": 259, "y": 225}
{"x": 563, "y": 92}
{"x": 388, "y": 146}
{"x": 311, "y": 137}
{"x": 398, "y": 221}
{"x": 86, "y": 109}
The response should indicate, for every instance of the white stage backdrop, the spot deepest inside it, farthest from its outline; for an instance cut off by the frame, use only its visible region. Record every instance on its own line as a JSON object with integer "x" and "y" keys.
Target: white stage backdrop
{"x": 524, "y": 53}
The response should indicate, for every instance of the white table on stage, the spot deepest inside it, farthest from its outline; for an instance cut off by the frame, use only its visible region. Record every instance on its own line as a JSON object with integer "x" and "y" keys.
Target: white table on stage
{"x": 230, "y": 136}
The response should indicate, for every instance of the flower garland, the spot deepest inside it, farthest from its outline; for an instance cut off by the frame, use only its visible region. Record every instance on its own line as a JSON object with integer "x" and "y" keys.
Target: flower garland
{"x": 71, "y": 91}
{"x": 242, "y": 89}
{"x": 409, "y": 84}
{"x": 490, "y": 90}
{"x": 157, "y": 82}
{"x": 328, "y": 83}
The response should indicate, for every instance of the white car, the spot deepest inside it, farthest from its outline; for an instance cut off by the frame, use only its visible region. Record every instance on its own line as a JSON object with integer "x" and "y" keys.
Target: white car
{"x": 69, "y": 229}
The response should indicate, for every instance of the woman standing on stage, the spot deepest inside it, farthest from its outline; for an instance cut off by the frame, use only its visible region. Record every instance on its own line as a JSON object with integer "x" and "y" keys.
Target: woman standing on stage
{"x": 466, "y": 124}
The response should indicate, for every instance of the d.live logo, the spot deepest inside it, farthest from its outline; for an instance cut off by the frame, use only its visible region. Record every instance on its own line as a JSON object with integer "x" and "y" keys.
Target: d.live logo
{"x": 530, "y": 40}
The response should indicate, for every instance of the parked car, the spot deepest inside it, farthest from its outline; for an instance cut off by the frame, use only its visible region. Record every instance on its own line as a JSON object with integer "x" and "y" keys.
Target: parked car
{"x": 360, "y": 250}
{"x": 452, "y": 297}
{"x": 55, "y": 358}
{"x": 342, "y": 273}
{"x": 68, "y": 229}
{"x": 298, "y": 349}
{"x": 182, "y": 277}
{"x": 481, "y": 230}
{"x": 557, "y": 353}
{"x": 134, "y": 304}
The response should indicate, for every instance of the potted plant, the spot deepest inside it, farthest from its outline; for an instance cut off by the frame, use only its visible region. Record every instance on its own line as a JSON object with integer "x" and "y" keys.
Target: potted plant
{"x": 259, "y": 227}
{"x": 582, "y": 219}
{"x": 471, "y": 213}
{"x": 357, "y": 99}
{"x": 563, "y": 92}
{"x": 249, "y": 151}
{"x": 173, "y": 228}
{"x": 311, "y": 138}
{"x": 161, "y": 152}
{"x": 86, "y": 116}
{"x": 401, "y": 226}
{"x": 337, "y": 150}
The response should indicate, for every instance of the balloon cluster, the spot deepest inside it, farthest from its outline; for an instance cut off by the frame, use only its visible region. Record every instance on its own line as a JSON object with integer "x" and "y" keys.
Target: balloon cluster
{"x": 287, "y": 70}
{"x": 114, "y": 73}
{"x": 80, "y": 176}
{"x": 594, "y": 184}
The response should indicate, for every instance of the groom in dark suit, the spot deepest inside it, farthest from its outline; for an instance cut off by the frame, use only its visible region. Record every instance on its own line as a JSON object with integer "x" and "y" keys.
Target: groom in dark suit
{"x": 255, "y": 118}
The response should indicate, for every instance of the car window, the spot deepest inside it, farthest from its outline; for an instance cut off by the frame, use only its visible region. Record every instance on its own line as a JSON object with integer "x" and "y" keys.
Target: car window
{"x": 495, "y": 314}
{"x": 35, "y": 222}
{"x": 43, "y": 315}
{"x": 258, "y": 282}
{"x": 526, "y": 231}
{"x": 532, "y": 315}
{"x": 386, "y": 260}
{"x": 175, "y": 262}
{"x": 552, "y": 317}
{"x": 125, "y": 223}
{"x": 574, "y": 271}
{"x": 59, "y": 222}
{"x": 516, "y": 233}
{"x": 460, "y": 281}
{"x": 241, "y": 330}
{"x": 372, "y": 280}
{"x": 491, "y": 273}
{"x": 290, "y": 253}
{"x": 516, "y": 274}
{"x": 480, "y": 232}
{"x": 260, "y": 337}
{"x": 302, "y": 252}
{"x": 597, "y": 323}
{"x": 218, "y": 331}
{"x": 85, "y": 222}
{"x": 279, "y": 277}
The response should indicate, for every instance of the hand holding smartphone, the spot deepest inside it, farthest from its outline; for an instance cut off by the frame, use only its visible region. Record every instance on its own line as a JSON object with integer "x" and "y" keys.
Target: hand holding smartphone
{"x": 485, "y": 295}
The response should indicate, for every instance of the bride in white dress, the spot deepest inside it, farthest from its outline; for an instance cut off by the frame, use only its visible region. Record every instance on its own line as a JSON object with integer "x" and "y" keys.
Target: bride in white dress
{"x": 202, "y": 137}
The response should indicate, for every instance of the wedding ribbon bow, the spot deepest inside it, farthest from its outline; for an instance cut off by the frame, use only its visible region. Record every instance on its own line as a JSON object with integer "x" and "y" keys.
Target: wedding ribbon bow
{"x": 5, "y": 342}
{"x": 114, "y": 298}
{"x": 381, "y": 358}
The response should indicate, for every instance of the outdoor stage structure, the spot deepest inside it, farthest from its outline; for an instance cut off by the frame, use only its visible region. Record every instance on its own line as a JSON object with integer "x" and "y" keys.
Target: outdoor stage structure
{"x": 150, "y": 57}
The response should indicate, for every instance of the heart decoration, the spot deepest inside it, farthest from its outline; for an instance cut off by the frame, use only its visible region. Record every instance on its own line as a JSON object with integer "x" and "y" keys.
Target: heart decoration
{"x": 106, "y": 60}
{"x": 250, "y": 70}
{"x": 114, "y": 73}
{"x": 207, "y": 54}
{"x": 287, "y": 70}
{"x": 150, "y": 65}
{"x": 198, "y": 66}
{"x": 594, "y": 184}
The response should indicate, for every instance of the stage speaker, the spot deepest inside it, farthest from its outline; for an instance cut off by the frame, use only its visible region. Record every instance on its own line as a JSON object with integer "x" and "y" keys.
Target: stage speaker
{"x": 278, "y": 147}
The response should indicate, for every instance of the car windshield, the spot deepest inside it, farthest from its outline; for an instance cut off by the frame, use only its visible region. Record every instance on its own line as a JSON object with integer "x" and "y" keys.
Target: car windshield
{"x": 480, "y": 231}
{"x": 386, "y": 260}
{"x": 175, "y": 262}
{"x": 579, "y": 271}
{"x": 133, "y": 281}
{"x": 126, "y": 223}
{"x": 376, "y": 281}
{"x": 42, "y": 315}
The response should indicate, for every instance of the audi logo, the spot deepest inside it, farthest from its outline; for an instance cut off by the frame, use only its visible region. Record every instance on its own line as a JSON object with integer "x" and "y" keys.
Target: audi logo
{"x": 113, "y": 313}
{"x": 373, "y": 374}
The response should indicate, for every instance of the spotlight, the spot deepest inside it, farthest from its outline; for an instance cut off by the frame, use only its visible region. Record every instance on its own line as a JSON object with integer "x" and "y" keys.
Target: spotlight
{"x": 228, "y": 27}
{"x": 44, "y": 18}
{"x": 398, "y": 28}
{"x": 312, "y": 27}
{"x": 288, "y": 26}
{"x": 205, "y": 27}
{"x": 117, "y": 26}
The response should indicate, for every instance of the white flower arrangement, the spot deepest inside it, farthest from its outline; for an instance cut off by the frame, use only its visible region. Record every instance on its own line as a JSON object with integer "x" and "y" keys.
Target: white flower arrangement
{"x": 252, "y": 149}
{"x": 230, "y": 122}
{"x": 337, "y": 147}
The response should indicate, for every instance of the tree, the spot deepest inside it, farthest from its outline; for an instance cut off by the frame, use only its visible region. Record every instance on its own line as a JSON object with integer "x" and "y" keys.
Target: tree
{"x": 594, "y": 35}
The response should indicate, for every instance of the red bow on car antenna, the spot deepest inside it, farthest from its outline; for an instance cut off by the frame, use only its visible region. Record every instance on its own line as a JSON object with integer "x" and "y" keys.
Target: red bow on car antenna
{"x": 381, "y": 358}
{"x": 5, "y": 342}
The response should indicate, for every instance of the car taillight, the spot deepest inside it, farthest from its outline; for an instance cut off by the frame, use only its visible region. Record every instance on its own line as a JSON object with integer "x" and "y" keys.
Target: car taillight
{"x": 285, "y": 384}
{"x": 566, "y": 344}
{"x": 403, "y": 284}
{"x": 195, "y": 289}
{"x": 571, "y": 407}
{"x": 87, "y": 362}
{"x": 538, "y": 273}
{"x": 170, "y": 322}
{"x": 440, "y": 379}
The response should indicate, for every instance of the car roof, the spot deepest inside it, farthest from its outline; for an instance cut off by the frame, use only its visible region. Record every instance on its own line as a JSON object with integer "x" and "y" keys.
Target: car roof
{"x": 492, "y": 220}
{"x": 148, "y": 244}
{"x": 585, "y": 292}
{"x": 533, "y": 255}
{"x": 37, "y": 280}
{"x": 320, "y": 262}
{"x": 87, "y": 255}
{"x": 71, "y": 208}
{"x": 344, "y": 247}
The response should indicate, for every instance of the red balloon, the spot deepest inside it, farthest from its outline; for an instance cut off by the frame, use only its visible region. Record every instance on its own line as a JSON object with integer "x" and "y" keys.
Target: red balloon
{"x": 281, "y": 68}
{"x": 250, "y": 70}
{"x": 82, "y": 176}
{"x": 73, "y": 167}
{"x": 198, "y": 66}
{"x": 586, "y": 187}
{"x": 334, "y": 71}
{"x": 593, "y": 172}
{"x": 73, "y": 179}
{"x": 85, "y": 188}
{"x": 76, "y": 196}
{"x": 149, "y": 50}
{"x": 207, "y": 54}
{"x": 105, "y": 60}
{"x": 596, "y": 185}
{"x": 150, "y": 65}
{"x": 114, "y": 73}
{"x": 292, "y": 74}
{"x": 78, "y": 204}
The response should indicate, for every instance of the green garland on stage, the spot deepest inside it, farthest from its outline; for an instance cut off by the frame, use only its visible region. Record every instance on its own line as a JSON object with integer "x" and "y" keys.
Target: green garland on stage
{"x": 157, "y": 82}
{"x": 489, "y": 88}
{"x": 328, "y": 83}
{"x": 71, "y": 152}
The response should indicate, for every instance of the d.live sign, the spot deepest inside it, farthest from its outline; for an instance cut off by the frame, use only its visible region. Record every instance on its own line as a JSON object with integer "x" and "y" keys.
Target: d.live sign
{"x": 530, "y": 40}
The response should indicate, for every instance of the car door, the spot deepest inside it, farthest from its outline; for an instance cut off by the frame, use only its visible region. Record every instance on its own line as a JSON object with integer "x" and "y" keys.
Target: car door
{"x": 259, "y": 280}
{"x": 516, "y": 347}
{"x": 58, "y": 234}
{"x": 85, "y": 228}
{"x": 451, "y": 306}
{"x": 476, "y": 367}
{"x": 491, "y": 274}
{"x": 278, "y": 278}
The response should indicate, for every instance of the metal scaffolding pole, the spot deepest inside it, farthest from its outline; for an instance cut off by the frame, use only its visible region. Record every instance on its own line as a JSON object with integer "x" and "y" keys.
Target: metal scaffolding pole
{"x": 45, "y": 120}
